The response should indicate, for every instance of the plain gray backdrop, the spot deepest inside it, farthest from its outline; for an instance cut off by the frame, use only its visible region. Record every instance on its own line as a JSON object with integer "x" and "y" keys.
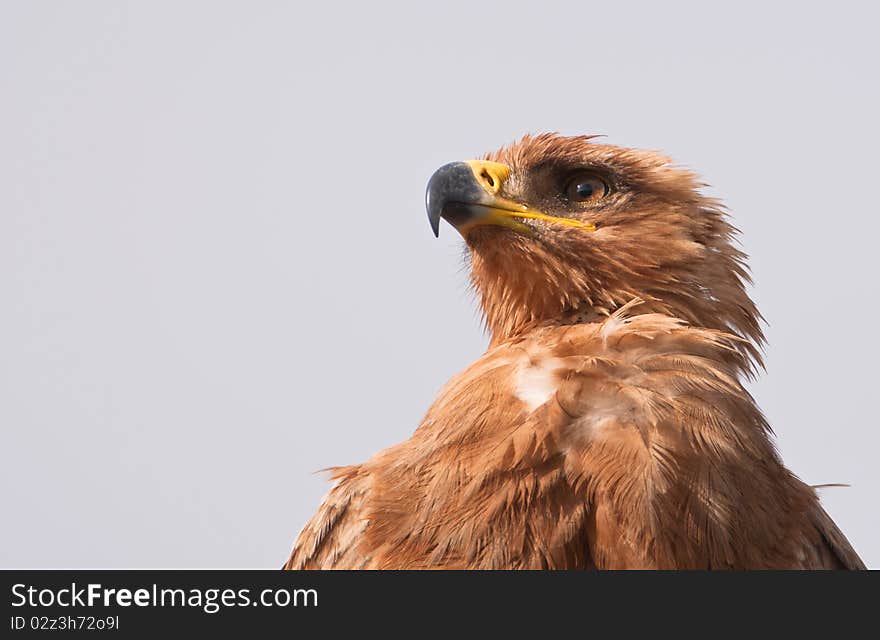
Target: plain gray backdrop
{"x": 217, "y": 276}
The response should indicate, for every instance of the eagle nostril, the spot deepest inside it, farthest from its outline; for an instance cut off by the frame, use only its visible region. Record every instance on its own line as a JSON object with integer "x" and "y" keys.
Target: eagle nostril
{"x": 488, "y": 178}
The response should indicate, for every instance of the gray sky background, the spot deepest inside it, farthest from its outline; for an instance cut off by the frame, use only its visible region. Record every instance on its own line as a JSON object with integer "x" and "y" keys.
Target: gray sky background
{"x": 217, "y": 276}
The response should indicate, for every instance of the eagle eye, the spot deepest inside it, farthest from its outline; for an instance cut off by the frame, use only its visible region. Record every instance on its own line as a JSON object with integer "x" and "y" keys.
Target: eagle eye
{"x": 586, "y": 187}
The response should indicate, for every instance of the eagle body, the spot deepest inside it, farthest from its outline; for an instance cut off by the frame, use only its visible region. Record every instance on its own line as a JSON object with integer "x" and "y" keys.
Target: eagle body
{"x": 606, "y": 426}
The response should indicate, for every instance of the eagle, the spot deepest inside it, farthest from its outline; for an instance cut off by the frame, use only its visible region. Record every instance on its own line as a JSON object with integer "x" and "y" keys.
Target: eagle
{"x": 607, "y": 425}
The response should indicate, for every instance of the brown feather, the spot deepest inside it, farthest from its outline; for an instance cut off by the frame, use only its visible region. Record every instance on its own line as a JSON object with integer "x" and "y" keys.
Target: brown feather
{"x": 607, "y": 425}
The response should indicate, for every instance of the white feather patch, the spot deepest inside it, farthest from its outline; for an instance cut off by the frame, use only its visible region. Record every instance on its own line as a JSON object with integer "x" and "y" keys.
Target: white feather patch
{"x": 537, "y": 382}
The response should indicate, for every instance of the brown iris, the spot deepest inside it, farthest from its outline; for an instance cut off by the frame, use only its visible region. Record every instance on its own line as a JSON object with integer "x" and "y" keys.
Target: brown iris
{"x": 586, "y": 187}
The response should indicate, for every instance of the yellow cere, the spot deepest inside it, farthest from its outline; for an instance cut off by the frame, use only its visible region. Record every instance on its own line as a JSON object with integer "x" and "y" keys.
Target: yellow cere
{"x": 492, "y": 175}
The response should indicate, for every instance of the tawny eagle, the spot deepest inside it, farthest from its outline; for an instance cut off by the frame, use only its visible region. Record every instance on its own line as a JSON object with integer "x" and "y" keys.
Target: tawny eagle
{"x": 607, "y": 425}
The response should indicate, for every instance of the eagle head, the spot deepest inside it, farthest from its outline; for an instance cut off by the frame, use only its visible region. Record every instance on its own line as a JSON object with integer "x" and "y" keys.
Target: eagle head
{"x": 562, "y": 228}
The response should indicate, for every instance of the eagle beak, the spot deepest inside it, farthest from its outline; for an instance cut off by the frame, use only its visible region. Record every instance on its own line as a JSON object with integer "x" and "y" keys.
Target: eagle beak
{"x": 466, "y": 195}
